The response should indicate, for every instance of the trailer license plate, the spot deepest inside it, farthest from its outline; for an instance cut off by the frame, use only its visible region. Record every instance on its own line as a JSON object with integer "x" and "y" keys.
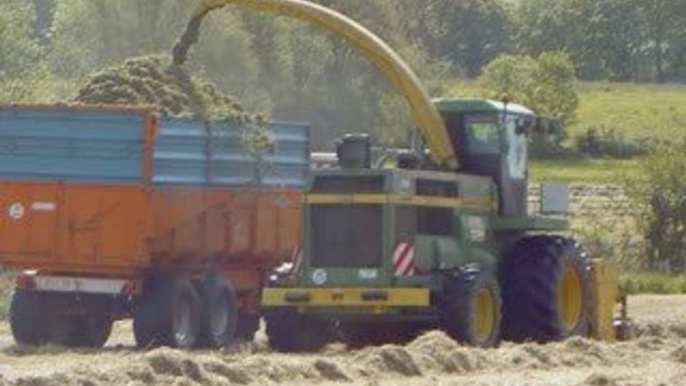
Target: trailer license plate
{"x": 81, "y": 285}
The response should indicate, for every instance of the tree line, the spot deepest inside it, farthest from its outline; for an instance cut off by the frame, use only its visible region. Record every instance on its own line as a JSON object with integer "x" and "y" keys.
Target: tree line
{"x": 294, "y": 71}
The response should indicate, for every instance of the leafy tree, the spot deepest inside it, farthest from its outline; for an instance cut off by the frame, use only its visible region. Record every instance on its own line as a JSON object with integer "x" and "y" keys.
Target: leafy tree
{"x": 19, "y": 51}
{"x": 554, "y": 91}
{"x": 553, "y": 25}
{"x": 468, "y": 33}
{"x": 44, "y": 10}
{"x": 545, "y": 84}
{"x": 659, "y": 190}
{"x": 664, "y": 23}
{"x": 601, "y": 36}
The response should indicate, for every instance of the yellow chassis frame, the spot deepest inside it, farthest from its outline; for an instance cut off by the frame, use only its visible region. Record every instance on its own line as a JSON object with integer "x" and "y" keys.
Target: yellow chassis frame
{"x": 345, "y": 297}
{"x": 604, "y": 290}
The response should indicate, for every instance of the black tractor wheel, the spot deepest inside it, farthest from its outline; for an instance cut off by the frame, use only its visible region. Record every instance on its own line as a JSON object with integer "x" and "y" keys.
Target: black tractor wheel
{"x": 219, "y": 316}
{"x": 168, "y": 314}
{"x": 27, "y": 317}
{"x": 289, "y": 331}
{"x": 469, "y": 307}
{"x": 546, "y": 290}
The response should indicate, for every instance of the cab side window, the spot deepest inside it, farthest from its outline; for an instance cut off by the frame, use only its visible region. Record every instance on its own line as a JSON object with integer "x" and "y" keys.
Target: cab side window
{"x": 481, "y": 134}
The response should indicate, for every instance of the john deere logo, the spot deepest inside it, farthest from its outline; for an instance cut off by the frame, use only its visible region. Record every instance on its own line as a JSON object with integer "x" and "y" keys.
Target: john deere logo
{"x": 319, "y": 276}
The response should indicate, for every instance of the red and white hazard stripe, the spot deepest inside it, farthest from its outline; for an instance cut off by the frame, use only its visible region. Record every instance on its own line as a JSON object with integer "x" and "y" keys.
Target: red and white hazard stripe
{"x": 297, "y": 258}
{"x": 403, "y": 260}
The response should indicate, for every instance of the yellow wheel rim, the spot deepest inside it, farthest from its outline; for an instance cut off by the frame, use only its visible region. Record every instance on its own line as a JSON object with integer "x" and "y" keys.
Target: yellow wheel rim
{"x": 570, "y": 297}
{"x": 484, "y": 314}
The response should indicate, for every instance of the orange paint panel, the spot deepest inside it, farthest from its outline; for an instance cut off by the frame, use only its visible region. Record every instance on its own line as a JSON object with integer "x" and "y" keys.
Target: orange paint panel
{"x": 233, "y": 224}
{"x": 74, "y": 225}
{"x": 104, "y": 225}
{"x": 114, "y": 228}
{"x": 28, "y": 221}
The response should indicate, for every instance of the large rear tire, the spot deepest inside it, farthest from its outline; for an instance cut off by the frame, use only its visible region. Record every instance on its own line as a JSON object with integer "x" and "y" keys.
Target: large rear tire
{"x": 289, "y": 331}
{"x": 470, "y": 306}
{"x": 219, "y": 317}
{"x": 168, "y": 314}
{"x": 27, "y": 317}
{"x": 546, "y": 290}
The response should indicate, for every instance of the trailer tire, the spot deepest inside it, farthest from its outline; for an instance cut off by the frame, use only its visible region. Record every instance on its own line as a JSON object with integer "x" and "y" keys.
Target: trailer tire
{"x": 93, "y": 330}
{"x": 546, "y": 290}
{"x": 219, "y": 316}
{"x": 167, "y": 315}
{"x": 288, "y": 331}
{"x": 470, "y": 307}
{"x": 90, "y": 331}
{"x": 27, "y": 319}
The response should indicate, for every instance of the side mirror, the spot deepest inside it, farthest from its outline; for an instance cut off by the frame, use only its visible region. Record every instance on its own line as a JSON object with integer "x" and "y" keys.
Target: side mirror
{"x": 523, "y": 126}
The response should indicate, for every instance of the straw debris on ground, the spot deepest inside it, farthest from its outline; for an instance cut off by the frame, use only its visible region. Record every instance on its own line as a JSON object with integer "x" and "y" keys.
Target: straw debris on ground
{"x": 656, "y": 356}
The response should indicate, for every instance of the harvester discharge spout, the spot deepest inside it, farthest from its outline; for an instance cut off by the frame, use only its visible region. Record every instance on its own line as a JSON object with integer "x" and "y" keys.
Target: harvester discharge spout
{"x": 424, "y": 114}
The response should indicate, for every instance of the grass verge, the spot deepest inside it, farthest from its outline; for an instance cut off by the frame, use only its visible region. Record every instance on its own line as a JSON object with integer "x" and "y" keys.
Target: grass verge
{"x": 653, "y": 283}
{"x": 598, "y": 171}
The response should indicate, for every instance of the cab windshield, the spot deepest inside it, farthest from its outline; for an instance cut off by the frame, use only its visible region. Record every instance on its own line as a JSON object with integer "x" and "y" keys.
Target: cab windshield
{"x": 481, "y": 133}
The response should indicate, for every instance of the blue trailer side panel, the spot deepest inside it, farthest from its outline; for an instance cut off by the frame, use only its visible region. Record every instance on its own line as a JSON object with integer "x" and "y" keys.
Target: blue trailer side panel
{"x": 71, "y": 145}
{"x": 189, "y": 152}
{"x": 107, "y": 146}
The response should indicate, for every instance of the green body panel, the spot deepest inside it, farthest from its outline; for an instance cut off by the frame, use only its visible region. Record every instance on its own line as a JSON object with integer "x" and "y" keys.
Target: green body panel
{"x": 468, "y": 240}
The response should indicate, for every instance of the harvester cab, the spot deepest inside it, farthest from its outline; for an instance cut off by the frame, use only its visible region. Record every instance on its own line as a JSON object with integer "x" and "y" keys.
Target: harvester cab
{"x": 492, "y": 140}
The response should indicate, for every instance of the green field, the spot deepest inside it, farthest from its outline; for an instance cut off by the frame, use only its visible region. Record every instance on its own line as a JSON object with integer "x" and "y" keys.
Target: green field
{"x": 652, "y": 283}
{"x": 636, "y": 110}
{"x": 597, "y": 171}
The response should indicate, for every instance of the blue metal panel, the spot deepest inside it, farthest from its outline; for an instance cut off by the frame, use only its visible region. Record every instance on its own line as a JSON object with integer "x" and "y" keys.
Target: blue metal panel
{"x": 188, "y": 152}
{"x": 71, "y": 145}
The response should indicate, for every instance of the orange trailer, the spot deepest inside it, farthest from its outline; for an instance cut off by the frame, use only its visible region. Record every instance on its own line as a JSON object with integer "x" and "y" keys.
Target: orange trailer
{"x": 113, "y": 213}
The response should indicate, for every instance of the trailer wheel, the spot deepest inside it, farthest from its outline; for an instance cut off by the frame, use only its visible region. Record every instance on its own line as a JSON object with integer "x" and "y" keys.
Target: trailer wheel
{"x": 27, "y": 319}
{"x": 168, "y": 314}
{"x": 219, "y": 315}
{"x": 93, "y": 330}
{"x": 289, "y": 331}
{"x": 546, "y": 290}
{"x": 469, "y": 308}
{"x": 90, "y": 331}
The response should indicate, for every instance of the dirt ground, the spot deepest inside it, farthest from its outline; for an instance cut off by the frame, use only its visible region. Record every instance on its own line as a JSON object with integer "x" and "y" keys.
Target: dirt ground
{"x": 656, "y": 357}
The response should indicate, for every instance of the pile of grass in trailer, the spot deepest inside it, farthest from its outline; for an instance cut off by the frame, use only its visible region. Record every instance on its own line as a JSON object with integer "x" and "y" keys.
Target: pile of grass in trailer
{"x": 155, "y": 82}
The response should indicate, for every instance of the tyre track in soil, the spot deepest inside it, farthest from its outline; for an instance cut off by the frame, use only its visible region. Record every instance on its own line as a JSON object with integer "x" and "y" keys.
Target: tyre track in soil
{"x": 657, "y": 357}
